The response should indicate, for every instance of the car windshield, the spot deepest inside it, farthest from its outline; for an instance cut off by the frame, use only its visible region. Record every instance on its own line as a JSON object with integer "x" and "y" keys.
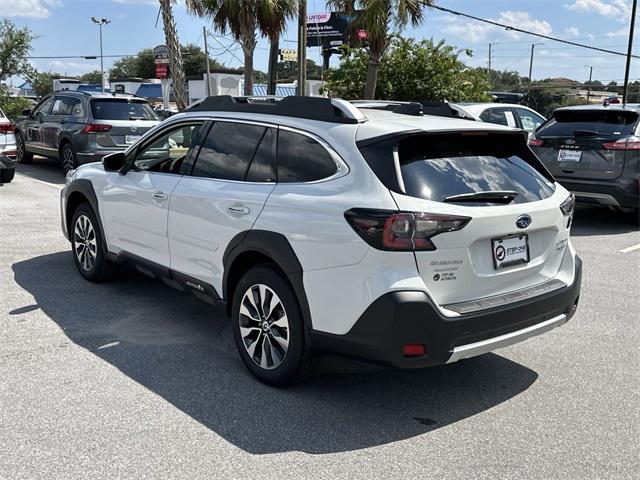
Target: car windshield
{"x": 121, "y": 109}
{"x": 609, "y": 123}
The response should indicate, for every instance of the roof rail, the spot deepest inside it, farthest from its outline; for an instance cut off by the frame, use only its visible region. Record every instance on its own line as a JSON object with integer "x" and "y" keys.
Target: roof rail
{"x": 439, "y": 109}
{"x": 310, "y": 108}
{"x": 405, "y": 108}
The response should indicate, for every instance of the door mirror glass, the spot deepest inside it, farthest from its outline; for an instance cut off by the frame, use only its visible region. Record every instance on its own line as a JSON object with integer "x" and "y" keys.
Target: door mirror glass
{"x": 114, "y": 162}
{"x": 26, "y": 112}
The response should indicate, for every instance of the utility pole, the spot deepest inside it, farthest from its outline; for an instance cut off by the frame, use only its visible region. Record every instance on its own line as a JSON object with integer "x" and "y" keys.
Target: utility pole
{"x": 626, "y": 73}
{"x": 302, "y": 47}
{"x": 533, "y": 46}
{"x": 489, "y": 69}
{"x": 589, "y": 85}
{"x": 100, "y": 22}
{"x": 206, "y": 54}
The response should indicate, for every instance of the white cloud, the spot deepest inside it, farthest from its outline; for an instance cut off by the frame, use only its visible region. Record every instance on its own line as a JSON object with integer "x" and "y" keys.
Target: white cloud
{"x": 475, "y": 31}
{"x": 27, "y": 8}
{"x": 623, "y": 32}
{"x": 620, "y": 9}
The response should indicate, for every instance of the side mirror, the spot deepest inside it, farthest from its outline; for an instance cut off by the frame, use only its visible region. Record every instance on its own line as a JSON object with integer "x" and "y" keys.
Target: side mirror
{"x": 26, "y": 112}
{"x": 114, "y": 161}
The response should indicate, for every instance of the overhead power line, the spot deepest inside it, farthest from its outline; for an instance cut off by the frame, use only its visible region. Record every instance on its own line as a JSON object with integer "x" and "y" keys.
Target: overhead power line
{"x": 540, "y": 35}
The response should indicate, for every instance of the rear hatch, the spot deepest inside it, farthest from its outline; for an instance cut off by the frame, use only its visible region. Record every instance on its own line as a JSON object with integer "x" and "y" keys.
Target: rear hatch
{"x": 586, "y": 144}
{"x": 128, "y": 118}
{"x": 514, "y": 234}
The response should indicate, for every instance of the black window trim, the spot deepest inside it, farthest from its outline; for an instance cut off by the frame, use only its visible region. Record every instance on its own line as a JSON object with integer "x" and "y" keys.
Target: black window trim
{"x": 342, "y": 168}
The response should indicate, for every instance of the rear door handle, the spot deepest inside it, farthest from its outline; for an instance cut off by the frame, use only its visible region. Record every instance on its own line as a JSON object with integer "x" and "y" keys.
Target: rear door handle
{"x": 161, "y": 196}
{"x": 240, "y": 210}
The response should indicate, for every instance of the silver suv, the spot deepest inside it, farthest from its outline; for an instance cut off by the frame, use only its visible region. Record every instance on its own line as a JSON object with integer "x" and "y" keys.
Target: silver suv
{"x": 80, "y": 127}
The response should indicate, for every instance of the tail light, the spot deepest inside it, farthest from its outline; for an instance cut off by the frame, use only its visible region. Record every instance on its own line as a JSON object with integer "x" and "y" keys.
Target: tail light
{"x": 96, "y": 128}
{"x": 401, "y": 231}
{"x": 6, "y": 128}
{"x": 535, "y": 142}
{"x": 628, "y": 143}
{"x": 567, "y": 207}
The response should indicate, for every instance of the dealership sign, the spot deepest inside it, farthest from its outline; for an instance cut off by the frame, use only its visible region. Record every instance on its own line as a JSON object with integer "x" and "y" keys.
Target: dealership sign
{"x": 161, "y": 54}
{"x": 329, "y": 29}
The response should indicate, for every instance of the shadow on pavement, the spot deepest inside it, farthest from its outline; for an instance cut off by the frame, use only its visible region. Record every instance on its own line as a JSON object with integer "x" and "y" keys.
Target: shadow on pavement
{"x": 183, "y": 350}
{"x": 44, "y": 169}
{"x": 591, "y": 220}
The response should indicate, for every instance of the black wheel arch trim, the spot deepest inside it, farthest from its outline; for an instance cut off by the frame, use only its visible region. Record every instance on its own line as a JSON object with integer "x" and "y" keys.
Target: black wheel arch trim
{"x": 277, "y": 247}
{"x": 85, "y": 188}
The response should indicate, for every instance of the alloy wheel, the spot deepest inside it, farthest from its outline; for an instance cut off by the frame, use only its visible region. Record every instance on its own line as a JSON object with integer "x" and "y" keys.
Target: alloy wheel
{"x": 264, "y": 326}
{"x": 20, "y": 148}
{"x": 84, "y": 243}
{"x": 68, "y": 159}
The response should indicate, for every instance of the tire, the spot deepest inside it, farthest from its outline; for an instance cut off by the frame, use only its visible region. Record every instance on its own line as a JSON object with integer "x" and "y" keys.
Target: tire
{"x": 272, "y": 348}
{"x": 22, "y": 155}
{"x": 6, "y": 175}
{"x": 88, "y": 246}
{"x": 68, "y": 158}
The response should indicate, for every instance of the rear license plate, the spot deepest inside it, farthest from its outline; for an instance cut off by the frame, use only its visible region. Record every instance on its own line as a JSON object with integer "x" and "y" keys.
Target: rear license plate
{"x": 129, "y": 139}
{"x": 569, "y": 155}
{"x": 509, "y": 251}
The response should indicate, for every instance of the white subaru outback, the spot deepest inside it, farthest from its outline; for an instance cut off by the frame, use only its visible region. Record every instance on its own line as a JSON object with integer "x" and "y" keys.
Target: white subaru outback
{"x": 404, "y": 239}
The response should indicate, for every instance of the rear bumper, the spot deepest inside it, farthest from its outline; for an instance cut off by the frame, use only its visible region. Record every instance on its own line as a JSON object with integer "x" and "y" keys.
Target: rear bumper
{"x": 409, "y": 317}
{"x": 620, "y": 193}
{"x": 97, "y": 155}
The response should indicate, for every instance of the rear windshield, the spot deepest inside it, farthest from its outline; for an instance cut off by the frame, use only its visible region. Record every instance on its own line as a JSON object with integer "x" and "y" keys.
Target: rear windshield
{"x": 435, "y": 167}
{"x": 610, "y": 123}
{"x": 121, "y": 109}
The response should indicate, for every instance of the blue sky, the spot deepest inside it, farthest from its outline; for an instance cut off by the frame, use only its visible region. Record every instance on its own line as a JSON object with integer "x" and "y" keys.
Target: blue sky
{"x": 64, "y": 29}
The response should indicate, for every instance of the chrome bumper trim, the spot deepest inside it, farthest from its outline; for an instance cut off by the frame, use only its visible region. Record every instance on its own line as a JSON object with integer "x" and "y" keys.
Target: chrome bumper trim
{"x": 490, "y": 344}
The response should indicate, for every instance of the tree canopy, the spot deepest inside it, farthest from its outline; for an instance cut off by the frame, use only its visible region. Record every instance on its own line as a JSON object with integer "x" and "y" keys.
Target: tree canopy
{"x": 15, "y": 45}
{"x": 410, "y": 70}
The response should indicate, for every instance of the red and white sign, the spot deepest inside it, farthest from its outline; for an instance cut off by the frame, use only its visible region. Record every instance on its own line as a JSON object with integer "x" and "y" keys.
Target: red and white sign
{"x": 162, "y": 70}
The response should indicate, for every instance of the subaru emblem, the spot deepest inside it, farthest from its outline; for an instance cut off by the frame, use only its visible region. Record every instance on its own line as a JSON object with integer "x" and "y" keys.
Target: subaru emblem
{"x": 523, "y": 221}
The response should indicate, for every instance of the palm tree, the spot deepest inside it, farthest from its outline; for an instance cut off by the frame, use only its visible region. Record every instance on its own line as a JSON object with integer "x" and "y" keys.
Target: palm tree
{"x": 376, "y": 18}
{"x": 244, "y": 19}
{"x": 173, "y": 45}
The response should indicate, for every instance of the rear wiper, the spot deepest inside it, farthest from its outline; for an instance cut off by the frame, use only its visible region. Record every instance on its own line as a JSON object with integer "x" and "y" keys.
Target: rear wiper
{"x": 496, "y": 196}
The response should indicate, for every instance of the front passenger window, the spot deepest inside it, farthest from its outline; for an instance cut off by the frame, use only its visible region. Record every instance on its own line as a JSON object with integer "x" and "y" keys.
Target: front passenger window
{"x": 167, "y": 152}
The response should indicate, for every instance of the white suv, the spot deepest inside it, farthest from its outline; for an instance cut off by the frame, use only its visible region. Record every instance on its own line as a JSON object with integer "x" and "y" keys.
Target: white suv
{"x": 402, "y": 239}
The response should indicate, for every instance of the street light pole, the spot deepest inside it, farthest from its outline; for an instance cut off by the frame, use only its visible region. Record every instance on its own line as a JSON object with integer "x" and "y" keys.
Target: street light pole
{"x": 100, "y": 22}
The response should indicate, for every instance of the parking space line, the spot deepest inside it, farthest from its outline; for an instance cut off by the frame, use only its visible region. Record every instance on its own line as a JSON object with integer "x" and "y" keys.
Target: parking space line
{"x": 630, "y": 249}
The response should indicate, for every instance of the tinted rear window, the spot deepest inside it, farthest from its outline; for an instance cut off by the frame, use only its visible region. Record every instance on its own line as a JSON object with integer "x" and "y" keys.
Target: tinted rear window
{"x": 435, "y": 167}
{"x": 603, "y": 122}
{"x": 121, "y": 110}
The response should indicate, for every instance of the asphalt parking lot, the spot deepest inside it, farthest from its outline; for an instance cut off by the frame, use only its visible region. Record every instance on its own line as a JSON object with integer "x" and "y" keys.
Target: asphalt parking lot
{"x": 134, "y": 379}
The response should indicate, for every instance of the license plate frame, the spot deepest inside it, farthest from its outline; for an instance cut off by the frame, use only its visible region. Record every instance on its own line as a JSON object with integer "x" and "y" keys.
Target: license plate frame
{"x": 131, "y": 139}
{"x": 518, "y": 240}
{"x": 565, "y": 155}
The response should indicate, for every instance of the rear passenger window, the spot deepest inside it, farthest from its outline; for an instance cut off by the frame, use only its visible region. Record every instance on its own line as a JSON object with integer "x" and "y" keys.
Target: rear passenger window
{"x": 67, "y": 106}
{"x": 302, "y": 159}
{"x": 227, "y": 151}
